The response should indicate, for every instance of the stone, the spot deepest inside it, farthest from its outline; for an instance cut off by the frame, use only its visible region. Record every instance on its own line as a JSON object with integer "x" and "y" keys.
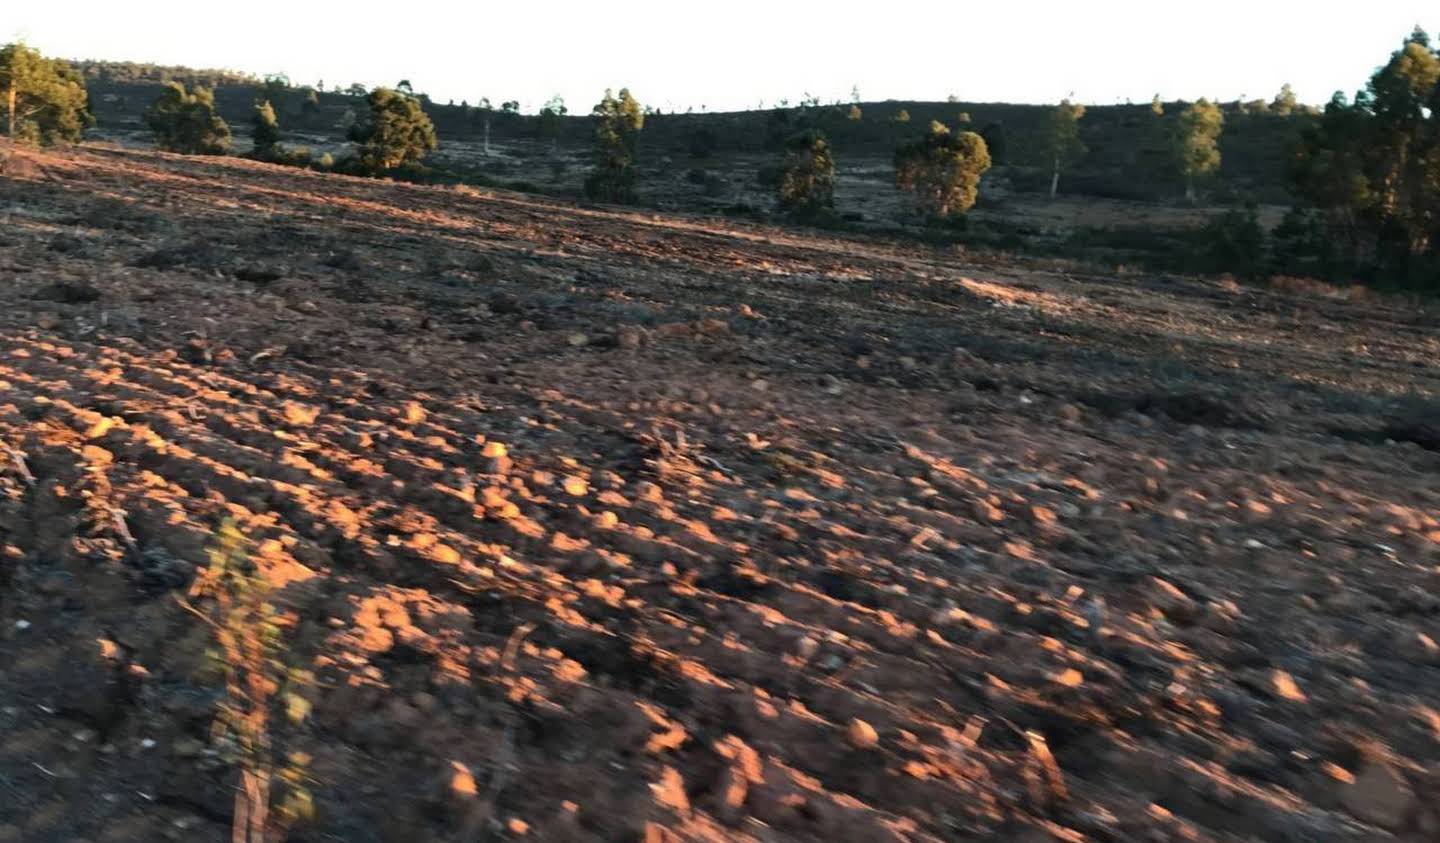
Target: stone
{"x": 862, "y": 735}
{"x": 1380, "y": 796}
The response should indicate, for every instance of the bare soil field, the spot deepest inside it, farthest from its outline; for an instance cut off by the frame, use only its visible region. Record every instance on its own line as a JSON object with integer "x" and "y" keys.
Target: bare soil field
{"x": 604, "y": 525}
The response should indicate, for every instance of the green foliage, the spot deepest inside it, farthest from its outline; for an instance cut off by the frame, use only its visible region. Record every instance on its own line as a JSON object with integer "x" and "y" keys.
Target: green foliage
{"x": 995, "y": 141}
{"x": 1373, "y": 168}
{"x": 1197, "y": 142}
{"x": 1285, "y": 102}
{"x": 807, "y": 175}
{"x": 129, "y": 73}
{"x": 395, "y": 131}
{"x": 618, "y": 121}
{"x": 854, "y": 114}
{"x": 261, "y": 690}
{"x": 1157, "y": 107}
{"x": 273, "y": 90}
{"x": 902, "y": 116}
{"x": 43, "y": 100}
{"x": 1062, "y": 139}
{"x": 1301, "y": 245}
{"x": 185, "y": 121}
{"x": 1235, "y": 242}
{"x": 942, "y": 170}
{"x": 552, "y": 119}
{"x": 265, "y": 129}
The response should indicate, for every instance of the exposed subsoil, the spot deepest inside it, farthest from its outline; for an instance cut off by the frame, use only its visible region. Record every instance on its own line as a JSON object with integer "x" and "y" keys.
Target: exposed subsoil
{"x": 792, "y": 537}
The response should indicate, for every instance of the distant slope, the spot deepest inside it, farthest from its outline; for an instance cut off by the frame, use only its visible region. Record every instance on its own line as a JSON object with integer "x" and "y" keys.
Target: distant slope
{"x": 1128, "y": 154}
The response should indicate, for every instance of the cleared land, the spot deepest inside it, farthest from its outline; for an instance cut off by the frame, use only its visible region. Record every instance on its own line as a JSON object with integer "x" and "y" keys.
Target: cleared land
{"x": 1096, "y": 558}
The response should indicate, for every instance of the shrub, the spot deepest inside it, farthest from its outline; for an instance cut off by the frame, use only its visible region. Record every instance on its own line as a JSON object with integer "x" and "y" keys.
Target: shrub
{"x": 942, "y": 170}
{"x": 807, "y": 176}
{"x": 265, "y": 130}
{"x": 1234, "y": 242}
{"x": 246, "y": 623}
{"x": 186, "y": 121}
{"x": 394, "y": 132}
{"x": 1301, "y": 245}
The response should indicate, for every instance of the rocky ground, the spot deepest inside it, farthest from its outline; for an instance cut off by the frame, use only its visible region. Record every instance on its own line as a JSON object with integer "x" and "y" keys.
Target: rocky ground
{"x": 602, "y": 525}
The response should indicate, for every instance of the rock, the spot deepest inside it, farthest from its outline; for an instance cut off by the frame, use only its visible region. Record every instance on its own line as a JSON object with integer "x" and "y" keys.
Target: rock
{"x": 1176, "y": 605}
{"x": 459, "y": 784}
{"x": 68, "y": 292}
{"x": 1417, "y": 648}
{"x": 497, "y": 458}
{"x": 504, "y": 304}
{"x": 578, "y": 340}
{"x": 576, "y": 486}
{"x": 300, "y": 415}
{"x": 670, "y": 791}
{"x": 1380, "y": 796}
{"x": 187, "y": 748}
{"x": 862, "y": 735}
{"x": 1286, "y": 688}
{"x": 630, "y": 337}
{"x": 712, "y": 327}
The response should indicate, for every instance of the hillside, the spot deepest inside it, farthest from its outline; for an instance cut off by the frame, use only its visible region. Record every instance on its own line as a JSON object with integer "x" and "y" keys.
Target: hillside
{"x": 1128, "y": 155}
{"x": 791, "y": 537}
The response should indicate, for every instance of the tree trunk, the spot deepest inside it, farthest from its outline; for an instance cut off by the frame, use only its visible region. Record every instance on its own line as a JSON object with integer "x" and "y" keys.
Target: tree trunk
{"x": 487, "y": 136}
{"x": 1190, "y": 190}
{"x": 10, "y": 101}
{"x": 1055, "y": 180}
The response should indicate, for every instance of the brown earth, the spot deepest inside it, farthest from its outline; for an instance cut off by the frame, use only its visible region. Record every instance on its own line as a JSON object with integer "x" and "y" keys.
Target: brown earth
{"x": 792, "y": 537}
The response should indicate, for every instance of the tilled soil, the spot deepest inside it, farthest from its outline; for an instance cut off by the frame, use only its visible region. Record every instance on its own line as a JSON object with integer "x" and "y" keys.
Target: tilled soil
{"x": 594, "y": 524}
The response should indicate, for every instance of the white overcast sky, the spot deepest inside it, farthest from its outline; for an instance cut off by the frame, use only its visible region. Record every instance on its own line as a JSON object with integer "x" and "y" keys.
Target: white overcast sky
{"x": 735, "y": 53}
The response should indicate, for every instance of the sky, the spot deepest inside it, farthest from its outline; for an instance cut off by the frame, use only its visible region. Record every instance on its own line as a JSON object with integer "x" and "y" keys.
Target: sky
{"x": 734, "y": 54}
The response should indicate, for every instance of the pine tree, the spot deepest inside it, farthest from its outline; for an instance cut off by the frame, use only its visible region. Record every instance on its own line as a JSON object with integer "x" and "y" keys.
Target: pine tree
{"x": 44, "y": 100}
{"x": 1197, "y": 143}
{"x": 395, "y": 131}
{"x": 185, "y": 121}
{"x": 1062, "y": 140}
{"x": 265, "y": 130}
{"x": 552, "y": 120}
{"x": 1284, "y": 104}
{"x": 618, "y": 121}
{"x": 807, "y": 175}
{"x": 1373, "y": 166}
{"x": 942, "y": 170}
